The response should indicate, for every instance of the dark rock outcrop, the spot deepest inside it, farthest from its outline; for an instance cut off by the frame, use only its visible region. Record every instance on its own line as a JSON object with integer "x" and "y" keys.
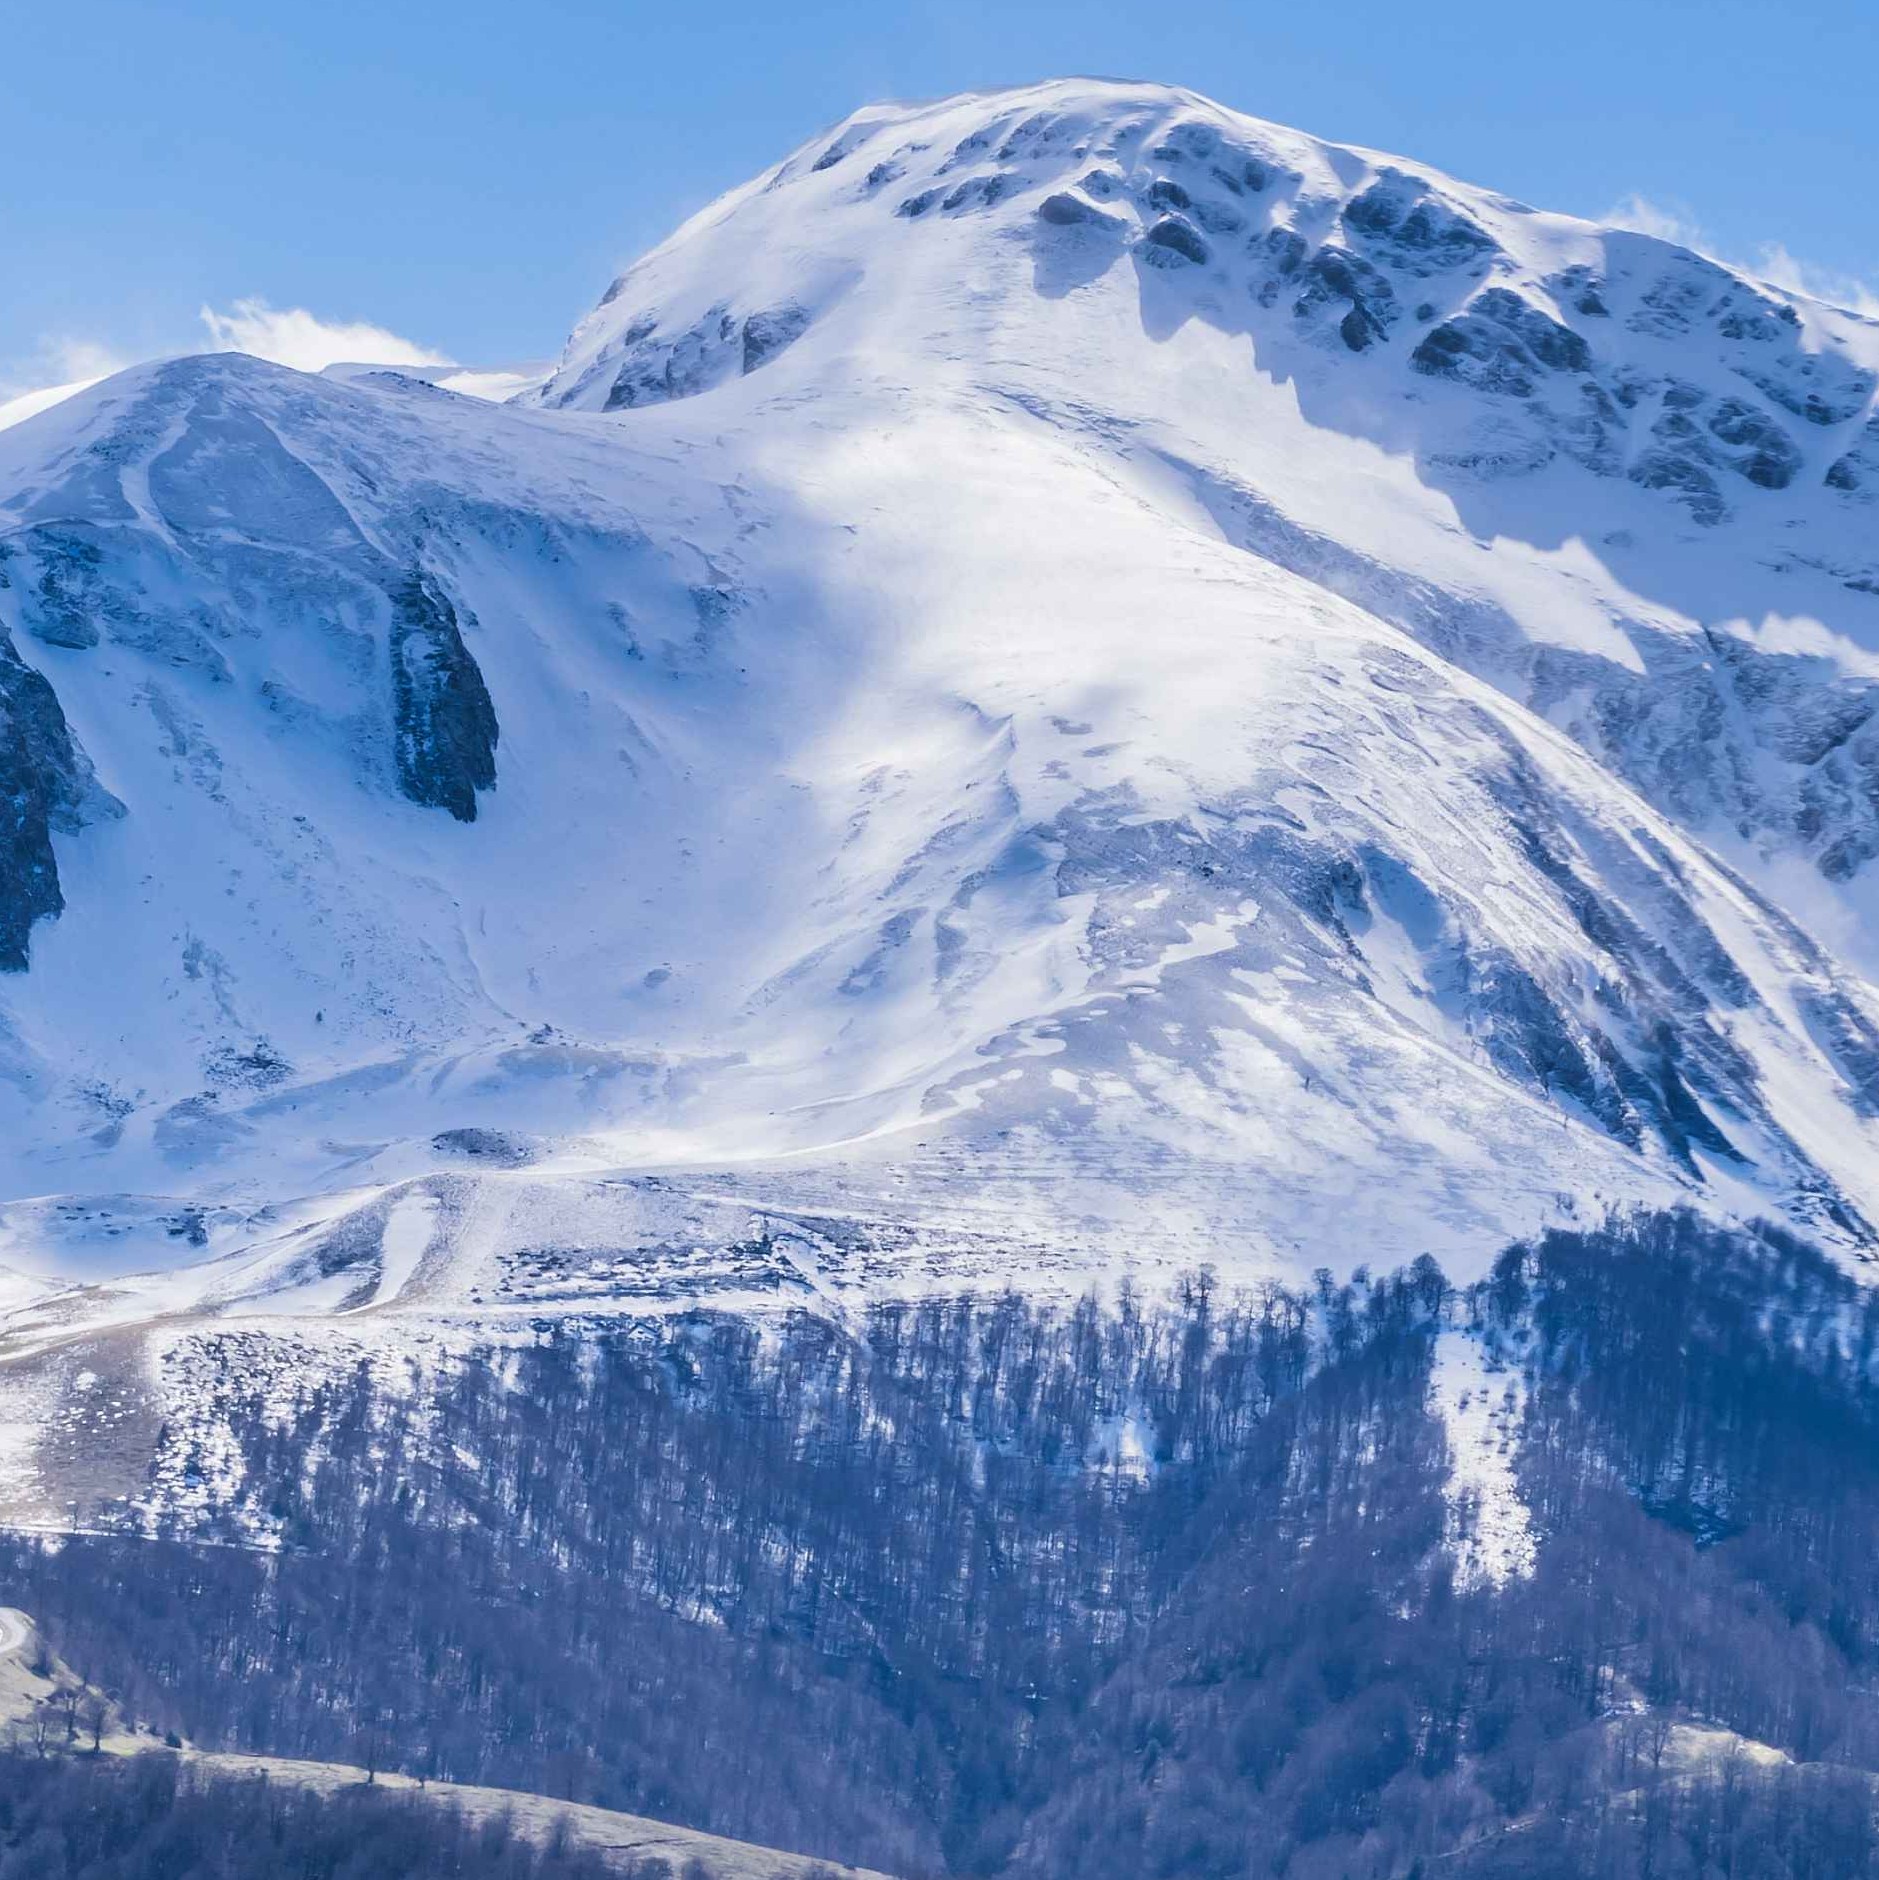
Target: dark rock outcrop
{"x": 1762, "y": 340}
{"x": 1500, "y": 344}
{"x": 1065, "y": 210}
{"x": 1581, "y": 289}
{"x": 65, "y": 602}
{"x": 656, "y": 367}
{"x": 43, "y": 782}
{"x": 1403, "y": 223}
{"x": 1333, "y": 276}
{"x": 445, "y": 724}
{"x": 1857, "y": 472}
{"x": 1758, "y": 447}
{"x": 767, "y": 334}
{"x": 1173, "y": 243}
{"x": 982, "y": 192}
{"x": 498, "y": 1148}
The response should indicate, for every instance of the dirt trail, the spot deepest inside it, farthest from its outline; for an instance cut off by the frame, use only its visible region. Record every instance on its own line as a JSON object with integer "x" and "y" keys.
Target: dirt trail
{"x": 538, "y": 1816}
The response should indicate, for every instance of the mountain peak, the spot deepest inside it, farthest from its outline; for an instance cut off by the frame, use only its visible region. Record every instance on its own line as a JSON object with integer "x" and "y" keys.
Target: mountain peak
{"x": 985, "y": 228}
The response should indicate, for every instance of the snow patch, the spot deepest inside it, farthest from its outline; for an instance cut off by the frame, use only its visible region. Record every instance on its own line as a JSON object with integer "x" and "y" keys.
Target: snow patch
{"x": 407, "y": 1236}
{"x": 1489, "y": 1532}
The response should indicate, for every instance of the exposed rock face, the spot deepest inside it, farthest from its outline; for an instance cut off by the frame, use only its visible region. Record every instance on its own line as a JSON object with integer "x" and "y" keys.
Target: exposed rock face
{"x": 495, "y": 1148}
{"x": 767, "y": 334}
{"x": 45, "y": 783}
{"x": 1406, "y": 225}
{"x": 1758, "y": 447}
{"x": 1857, "y": 473}
{"x": 1501, "y": 345}
{"x": 657, "y": 365}
{"x": 69, "y": 594}
{"x": 251, "y": 538}
{"x": 1639, "y": 1042}
{"x": 29, "y": 877}
{"x": 1757, "y": 337}
{"x": 1172, "y": 240}
{"x": 1361, "y": 300}
{"x": 1069, "y": 210}
{"x": 1805, "y": 770}
{"x": 446, "y": 725}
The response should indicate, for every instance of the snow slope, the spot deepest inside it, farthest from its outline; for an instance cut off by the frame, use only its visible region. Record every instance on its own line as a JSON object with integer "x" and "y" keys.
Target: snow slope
{"x": 1065, "y": 680}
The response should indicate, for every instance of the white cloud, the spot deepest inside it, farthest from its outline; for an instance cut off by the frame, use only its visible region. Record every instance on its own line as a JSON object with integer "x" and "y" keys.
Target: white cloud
{"x": 70, "y": 358}
{"x": 1773, "y": 262}
{"x": 498, "y": 386}
{"x": 59, "y": 367}
{"x": 59, "y": 361}
{"x": 291, "y": 336}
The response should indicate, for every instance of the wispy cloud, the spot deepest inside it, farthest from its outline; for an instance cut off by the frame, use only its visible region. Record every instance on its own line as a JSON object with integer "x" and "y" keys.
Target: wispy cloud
{"x": 60, "y": 366}
{"x": 60, "y": 360}
{"x": 291, "y": 336}
{"x": 1773, "y": 262}
{"x": 72, "y": 358}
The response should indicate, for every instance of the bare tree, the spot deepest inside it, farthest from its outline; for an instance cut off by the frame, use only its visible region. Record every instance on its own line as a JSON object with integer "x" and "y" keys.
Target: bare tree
{"x": 368, "y": 1749}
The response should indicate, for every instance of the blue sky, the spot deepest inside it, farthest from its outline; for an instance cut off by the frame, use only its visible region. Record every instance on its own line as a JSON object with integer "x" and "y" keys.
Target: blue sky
{"x": 470, "y": 176}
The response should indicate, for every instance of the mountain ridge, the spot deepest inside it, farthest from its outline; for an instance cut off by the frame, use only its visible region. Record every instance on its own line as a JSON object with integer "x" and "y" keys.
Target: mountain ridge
{"x": 1047, "y": 682}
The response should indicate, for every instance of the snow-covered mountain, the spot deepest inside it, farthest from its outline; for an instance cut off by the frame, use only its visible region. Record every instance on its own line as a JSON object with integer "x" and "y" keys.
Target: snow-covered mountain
{"x": 1065, "y": 679}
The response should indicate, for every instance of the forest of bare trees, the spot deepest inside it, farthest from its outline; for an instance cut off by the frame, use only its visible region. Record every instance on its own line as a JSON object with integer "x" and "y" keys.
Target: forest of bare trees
{"x": 1136, "y": 1588}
